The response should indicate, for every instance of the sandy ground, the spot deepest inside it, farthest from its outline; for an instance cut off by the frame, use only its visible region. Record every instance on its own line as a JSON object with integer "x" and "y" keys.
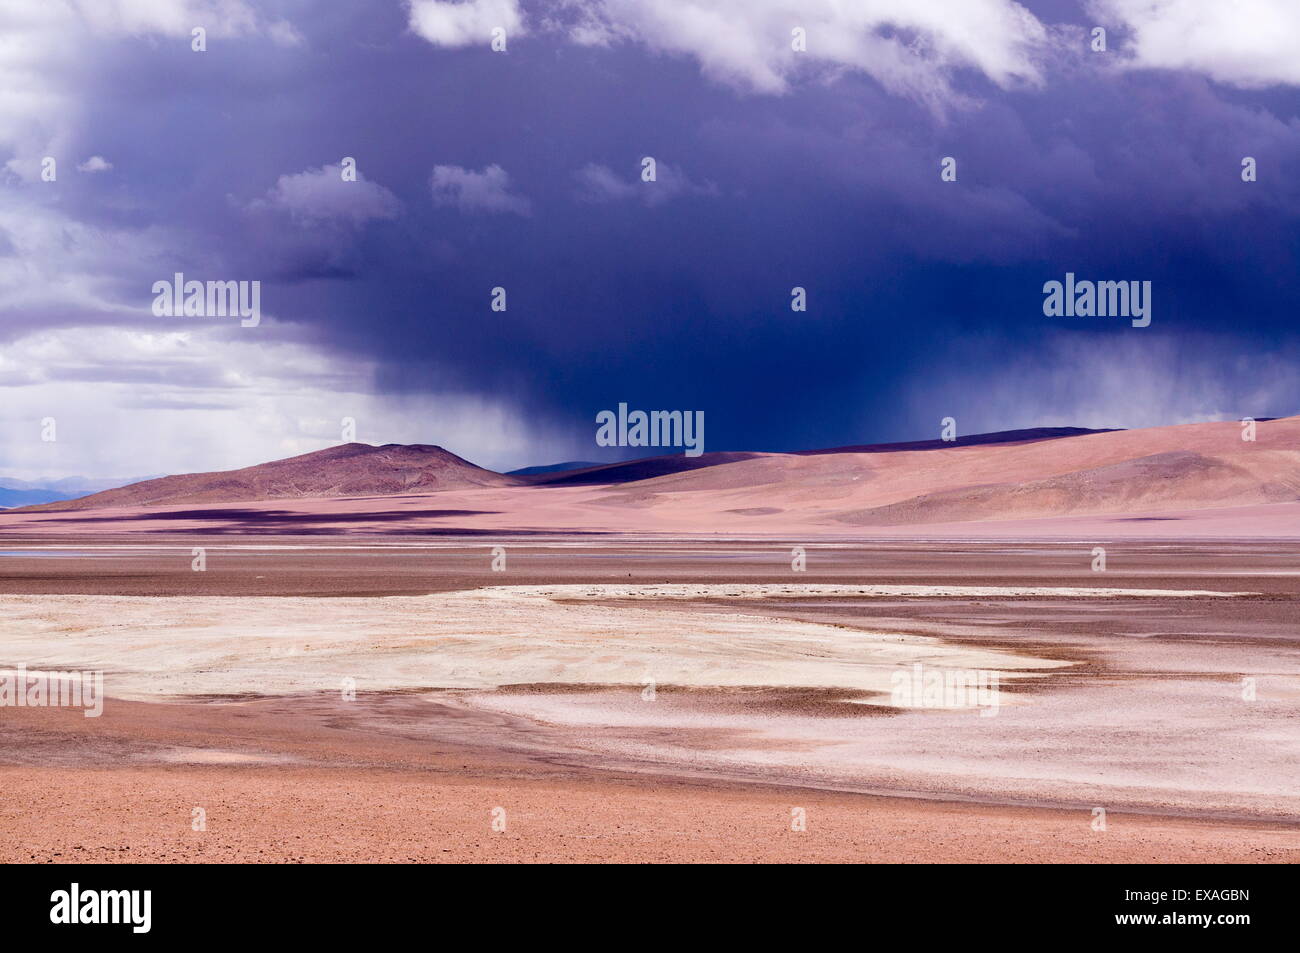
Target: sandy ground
{"x": 317, "y": 781}
{"x": 479, "y": 690}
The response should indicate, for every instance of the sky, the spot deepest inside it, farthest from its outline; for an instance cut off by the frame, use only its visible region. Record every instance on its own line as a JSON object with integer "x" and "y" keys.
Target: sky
{"x": 521, "y": 168}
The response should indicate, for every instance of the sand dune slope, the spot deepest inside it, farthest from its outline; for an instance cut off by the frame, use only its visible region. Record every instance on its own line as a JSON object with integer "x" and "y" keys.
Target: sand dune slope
{"x": 1158, "y": 469}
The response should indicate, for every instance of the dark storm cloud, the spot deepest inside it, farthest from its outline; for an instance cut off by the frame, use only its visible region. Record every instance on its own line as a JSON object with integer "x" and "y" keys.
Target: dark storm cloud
{"x": 680, "y": 298}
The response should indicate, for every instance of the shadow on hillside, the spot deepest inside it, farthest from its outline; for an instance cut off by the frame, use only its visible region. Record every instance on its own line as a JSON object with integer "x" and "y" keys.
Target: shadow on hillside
{"x": 311, "y": 524}
{"x": 1146, "y": 519}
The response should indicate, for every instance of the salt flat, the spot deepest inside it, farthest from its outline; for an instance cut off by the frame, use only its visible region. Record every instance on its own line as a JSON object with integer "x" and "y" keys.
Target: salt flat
{"x": 169, "y": 647}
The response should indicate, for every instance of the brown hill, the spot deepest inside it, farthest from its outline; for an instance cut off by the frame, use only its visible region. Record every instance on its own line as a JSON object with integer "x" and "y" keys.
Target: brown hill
{"x": 351, "y": 470}
{"x": 1161, "y": 481}
{"x": 1154, "y": 469}
{"x": 1027, "y": 476}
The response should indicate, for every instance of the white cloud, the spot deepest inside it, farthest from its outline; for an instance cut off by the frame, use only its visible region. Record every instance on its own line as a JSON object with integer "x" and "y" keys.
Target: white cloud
{"x": 61, "y": 272}
{"x": 321, "y": 194}
{"x": 470, "y": 191}
{"x": 167, "y": 17}
{"x": 910, "y": 47}
{"x": 219, "y": 397}
{"x": 1248, "y": 43}
{"x": 283, "y": 33}
{"x": 599, "y": 183}
{"x": 464, "y": 23}
{"x": 95, "y": 164}
{"x": 46, "y": 48}
{"x": 907, "y": 46}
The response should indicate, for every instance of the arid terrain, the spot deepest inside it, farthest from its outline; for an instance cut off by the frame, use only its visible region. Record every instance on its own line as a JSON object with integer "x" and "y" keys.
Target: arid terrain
{"x": 1186, "y": 482}
{"x": 649, "y": 430}
{"x": 526, "y": 689}
{"x": 1035, "y": 646}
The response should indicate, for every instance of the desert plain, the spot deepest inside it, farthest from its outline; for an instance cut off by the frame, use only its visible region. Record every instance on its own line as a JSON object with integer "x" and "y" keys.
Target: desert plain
{"x": 522, "y": 672}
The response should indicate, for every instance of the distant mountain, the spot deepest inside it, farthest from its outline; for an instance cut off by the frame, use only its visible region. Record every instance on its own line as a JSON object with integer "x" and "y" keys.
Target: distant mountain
{"x": 553, "y": 468}
{"x": 80, "y": 485}
{"x": 10, "y": 497}
{"x": 363, "y": 470}
{"x": 15, "y": 492}
{"x": 1013, "y": 475}
{"x": 354, "y": 469}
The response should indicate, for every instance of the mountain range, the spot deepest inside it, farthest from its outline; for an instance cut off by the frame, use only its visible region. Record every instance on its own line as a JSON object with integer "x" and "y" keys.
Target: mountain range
{"x": 1012, "y": 475}
{"x": 15, "y": 492}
